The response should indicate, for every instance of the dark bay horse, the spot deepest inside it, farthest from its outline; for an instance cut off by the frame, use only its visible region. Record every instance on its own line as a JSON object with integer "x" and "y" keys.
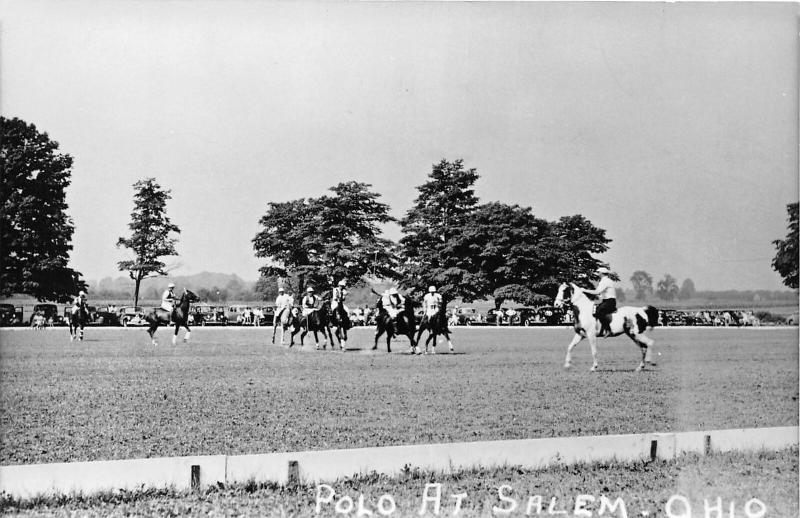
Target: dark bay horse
{"x": 316, "y": 321}
{"x": 290, "y": 319}
{"x": 77, "y": 320}
{"x": 435, "y": 325}
{"x": 340, "y": 320}
{"x": 160, "y": 316}
{"x": 403, "y": 324}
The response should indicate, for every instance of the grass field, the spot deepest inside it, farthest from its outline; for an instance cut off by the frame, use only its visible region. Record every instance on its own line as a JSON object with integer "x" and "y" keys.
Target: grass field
{"x": 114, "y": 396}
{"x": 644, "y": 488}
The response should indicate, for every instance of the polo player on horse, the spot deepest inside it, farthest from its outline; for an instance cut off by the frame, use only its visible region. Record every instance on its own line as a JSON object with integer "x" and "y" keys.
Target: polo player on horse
{"x": 606, "y": 292}
{"x": 434, "y": 319}
{"x": 283, "y": 307}
{"x": 339, "y": 313}
{"x": 78, "y": 315}
{"x": 168, "y": 300}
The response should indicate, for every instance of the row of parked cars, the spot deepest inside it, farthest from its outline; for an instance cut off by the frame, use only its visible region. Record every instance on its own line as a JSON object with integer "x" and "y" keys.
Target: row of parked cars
{"x": 201, "y": 314}
{"x": 239, "y": 314}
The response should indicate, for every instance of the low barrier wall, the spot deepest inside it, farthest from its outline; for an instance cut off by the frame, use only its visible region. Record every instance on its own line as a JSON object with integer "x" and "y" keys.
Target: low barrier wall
{"x": 183, "y": 473}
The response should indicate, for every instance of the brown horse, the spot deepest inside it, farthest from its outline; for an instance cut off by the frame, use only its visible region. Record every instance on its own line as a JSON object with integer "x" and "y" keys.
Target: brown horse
{"x": 180, "y": 316}
{"x": 403, "y": 324}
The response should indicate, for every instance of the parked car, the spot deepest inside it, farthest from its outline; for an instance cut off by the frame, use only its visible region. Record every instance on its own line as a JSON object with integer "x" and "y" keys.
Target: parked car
{"x": 469, "y": 317}
{"x": 205, "y": 314}
{"x": 235, "y": 314}
{"x": 10, "y": 315}
{"x": 499, "y": 317}
{"x": 525, "y": 316}
{"x": 268, "y": 315}
{"x": 131, "y": 316}
{"x": 550, "y": 315}
{"x": 105, "y": 317}
{"x": 50, "y": 314}
{"x": 792, "y": 319}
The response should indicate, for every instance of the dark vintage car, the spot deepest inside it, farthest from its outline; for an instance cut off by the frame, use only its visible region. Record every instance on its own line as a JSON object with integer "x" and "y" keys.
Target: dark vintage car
{"x": 10, "y": 315}
{"x": 468, "y": 317}
{"x": 550, "y": 315}
{"x": 50, "y": 314}
{"x": 131, "y": 316}
{"x": 207, "y": 315}
{"x": 500, "y": 317}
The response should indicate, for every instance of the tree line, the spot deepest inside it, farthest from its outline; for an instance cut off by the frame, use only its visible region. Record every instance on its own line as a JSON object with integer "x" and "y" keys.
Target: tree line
{"x": 468, "y": 249}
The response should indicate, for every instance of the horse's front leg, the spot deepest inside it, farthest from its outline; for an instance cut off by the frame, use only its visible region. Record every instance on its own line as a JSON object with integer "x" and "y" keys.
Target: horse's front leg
{"x": 568, "y": 360}
{"x": 378, "y": 334}
{"x": 416, "y": 341}
{"x": 152, "y": 332}
{"x": 175, "y": 336}
{"x": 428, "y": 340}
{"x": 81, "y": 333}
{"x": 275, "y": 328}
{"x": 188, "y": 334}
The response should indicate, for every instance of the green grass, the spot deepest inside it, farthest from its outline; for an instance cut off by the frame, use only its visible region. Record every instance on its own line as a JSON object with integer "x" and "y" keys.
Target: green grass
{"x": 227, "y": 392}
{"x": 771, "y": 477}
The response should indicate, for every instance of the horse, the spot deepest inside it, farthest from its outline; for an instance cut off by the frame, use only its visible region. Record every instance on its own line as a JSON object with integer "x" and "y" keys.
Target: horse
{"x": 159, "y": 316}
{"x": 626, "y": 320}
{"x": 76, "y": 320}
{"x": 315, "y": 322}
{"x": 435, "y": 325}
{"x": 340, "y": 320}
{"x": 290, "y": 318}
{"x": 403, "y": 324}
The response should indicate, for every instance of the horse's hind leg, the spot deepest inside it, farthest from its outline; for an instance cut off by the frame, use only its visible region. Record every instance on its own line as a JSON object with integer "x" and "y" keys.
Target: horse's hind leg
{"x": 188, "y": 334}
{"x": 449, "y": 343}
{"x": 646, "y": 345}
{"x": 80, "y": 337}
{"x": 378, "y": 334}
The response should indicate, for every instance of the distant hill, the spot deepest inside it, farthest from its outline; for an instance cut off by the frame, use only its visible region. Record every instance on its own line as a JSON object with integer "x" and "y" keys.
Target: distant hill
{"x": 153, "y": 287}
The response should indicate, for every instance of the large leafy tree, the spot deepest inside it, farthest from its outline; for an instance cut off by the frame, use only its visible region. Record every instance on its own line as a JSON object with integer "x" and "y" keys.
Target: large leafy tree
{"x": 492, "y": 250}
{"x": 35, "y": 231}
{"x": 569, "y": 249}
{"x": 440, "y": 213}
{"x": 785, "y": 261}
{"x": 150, "y": 238}
{"x": 502, "y": 244}
{"x": 322, "y": 240}
{"x": 642, "y": 284}
{"x": 687, "y": 290}
{"x": 667, "y": 288}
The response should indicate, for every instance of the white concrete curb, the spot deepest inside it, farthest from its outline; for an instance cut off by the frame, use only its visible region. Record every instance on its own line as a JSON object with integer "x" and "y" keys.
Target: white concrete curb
{"x": 181, "y": 473}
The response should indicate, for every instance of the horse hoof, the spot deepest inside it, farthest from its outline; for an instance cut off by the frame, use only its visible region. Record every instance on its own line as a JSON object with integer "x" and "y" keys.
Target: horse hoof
{"x": 593, "y": 369}
{"x": 452, "y": 349}
{"x": 567, "y": 366}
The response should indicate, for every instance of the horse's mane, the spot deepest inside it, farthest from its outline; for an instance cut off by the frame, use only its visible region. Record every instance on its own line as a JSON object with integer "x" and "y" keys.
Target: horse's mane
{"x": 575, "y": 288}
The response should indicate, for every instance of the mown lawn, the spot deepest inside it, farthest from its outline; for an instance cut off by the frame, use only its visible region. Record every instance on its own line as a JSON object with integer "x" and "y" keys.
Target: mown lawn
{"x": 647, "y": 489}
{"x": 228, "y": 391}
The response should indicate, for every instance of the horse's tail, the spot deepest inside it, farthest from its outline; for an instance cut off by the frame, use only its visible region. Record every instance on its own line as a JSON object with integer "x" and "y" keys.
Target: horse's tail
{"x": 652, "y": 316}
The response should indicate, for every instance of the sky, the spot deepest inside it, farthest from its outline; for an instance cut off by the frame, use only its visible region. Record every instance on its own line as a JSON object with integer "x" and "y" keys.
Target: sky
{"x": 672, "y": 126}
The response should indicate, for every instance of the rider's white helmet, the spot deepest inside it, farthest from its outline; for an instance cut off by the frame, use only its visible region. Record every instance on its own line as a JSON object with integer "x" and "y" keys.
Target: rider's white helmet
{"x": 309, "y": 290}
{"x": 171, "y": 285}
{"x": 393, "y": 291}
{"x": 432, "y": 289}
{"x": 603, "y": 269}
{"x": 280, "y": 290}
{"x": 82, "y": 294}
{"x": 342, "y": 283}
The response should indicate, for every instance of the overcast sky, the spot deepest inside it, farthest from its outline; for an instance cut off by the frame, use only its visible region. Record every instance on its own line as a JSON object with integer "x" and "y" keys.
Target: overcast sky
{"x": 672, "y": 126}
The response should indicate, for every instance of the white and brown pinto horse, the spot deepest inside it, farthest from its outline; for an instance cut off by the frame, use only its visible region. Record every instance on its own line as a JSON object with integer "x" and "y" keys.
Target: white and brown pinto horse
{"x": 627, "y": 320}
